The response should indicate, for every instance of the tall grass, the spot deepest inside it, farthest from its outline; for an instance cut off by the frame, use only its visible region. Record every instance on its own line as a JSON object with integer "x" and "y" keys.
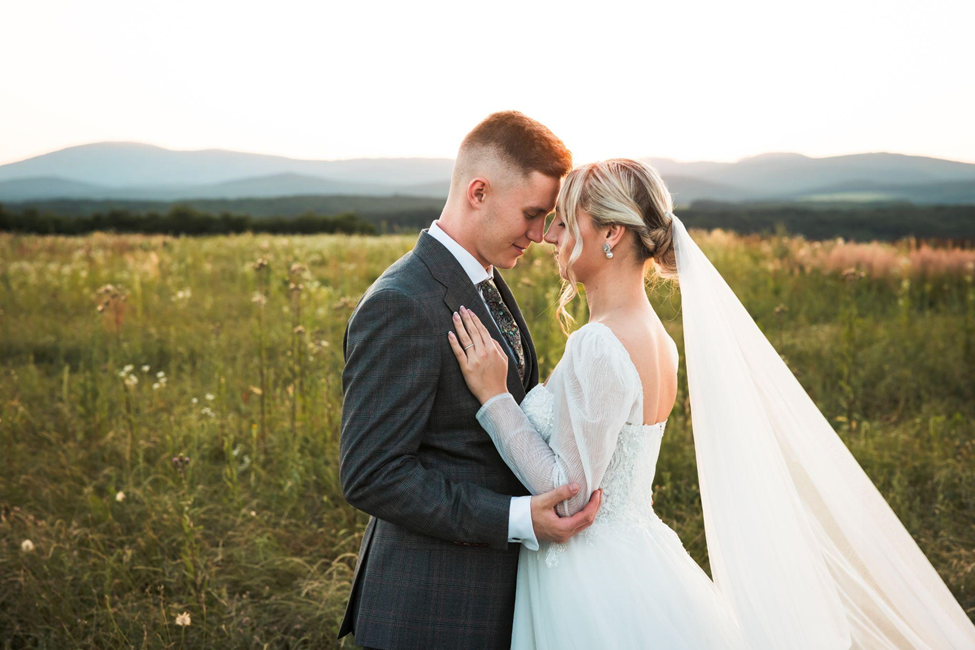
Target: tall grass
{"x": 170, "y": 408}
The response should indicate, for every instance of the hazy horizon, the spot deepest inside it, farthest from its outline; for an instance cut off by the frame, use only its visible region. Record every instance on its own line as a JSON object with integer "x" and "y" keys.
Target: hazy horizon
{"x": 690, "y": 81}
{"x": 271, "y": 153}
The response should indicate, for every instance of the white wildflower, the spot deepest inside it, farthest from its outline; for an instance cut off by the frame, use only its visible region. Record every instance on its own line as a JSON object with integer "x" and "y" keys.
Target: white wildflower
{"x": 120, "y": 496}
{"x": 27, "y": 546}
{"x": 183, "y": 620}
{"x": 209, "y": 397}
{"x": 145, "y": 368}
{"x": 160, "y": 374}
{"x": 131, "y": 380}
{"x": 194, "y": 400}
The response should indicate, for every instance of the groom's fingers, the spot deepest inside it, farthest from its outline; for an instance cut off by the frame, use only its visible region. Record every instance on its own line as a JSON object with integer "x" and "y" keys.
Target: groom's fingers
{"x": 558, "y": 495}
{"x": 584, "y": 518}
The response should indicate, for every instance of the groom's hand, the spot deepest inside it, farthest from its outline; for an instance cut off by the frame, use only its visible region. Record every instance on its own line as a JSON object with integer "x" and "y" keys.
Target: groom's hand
{"x": 549, "y": 526}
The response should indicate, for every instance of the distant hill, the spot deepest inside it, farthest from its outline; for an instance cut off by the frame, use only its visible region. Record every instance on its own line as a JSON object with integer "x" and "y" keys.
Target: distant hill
{"x": 121, "y": 164}
{"x": 134, "y": 171}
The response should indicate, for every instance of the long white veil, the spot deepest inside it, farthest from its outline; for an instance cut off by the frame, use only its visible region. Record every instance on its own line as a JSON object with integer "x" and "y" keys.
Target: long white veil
{"x": 800, "y": 540}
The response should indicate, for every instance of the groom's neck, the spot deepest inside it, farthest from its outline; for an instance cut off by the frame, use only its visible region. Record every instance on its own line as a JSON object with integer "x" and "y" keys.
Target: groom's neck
{"x": 454, "y": 228}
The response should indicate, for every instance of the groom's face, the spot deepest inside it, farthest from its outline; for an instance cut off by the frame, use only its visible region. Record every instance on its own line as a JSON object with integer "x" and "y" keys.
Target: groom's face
{"x": 515, "y": 218}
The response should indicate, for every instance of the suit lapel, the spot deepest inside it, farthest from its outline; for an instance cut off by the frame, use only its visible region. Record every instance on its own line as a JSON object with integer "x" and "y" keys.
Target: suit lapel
{"x": 461, "y": 291}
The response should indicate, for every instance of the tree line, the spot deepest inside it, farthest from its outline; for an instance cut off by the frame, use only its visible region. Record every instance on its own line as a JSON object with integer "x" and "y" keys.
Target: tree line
{"x": 179, "y": 220}
{"x": 852, "y": 221}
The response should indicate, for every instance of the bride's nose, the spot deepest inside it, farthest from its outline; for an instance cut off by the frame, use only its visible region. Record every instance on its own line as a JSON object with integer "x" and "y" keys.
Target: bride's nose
{"x": 550, "y": 235}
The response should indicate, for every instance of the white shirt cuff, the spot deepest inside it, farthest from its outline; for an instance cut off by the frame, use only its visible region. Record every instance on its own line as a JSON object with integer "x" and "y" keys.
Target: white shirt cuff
{"x": 520, "y": 527}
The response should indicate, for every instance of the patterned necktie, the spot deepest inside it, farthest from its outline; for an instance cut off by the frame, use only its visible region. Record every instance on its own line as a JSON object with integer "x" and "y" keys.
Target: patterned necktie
{"x": 504, "y": 320}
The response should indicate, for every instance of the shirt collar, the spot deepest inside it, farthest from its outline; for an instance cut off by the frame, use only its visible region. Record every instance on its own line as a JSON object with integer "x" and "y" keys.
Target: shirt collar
{"x": 471, "y": 266}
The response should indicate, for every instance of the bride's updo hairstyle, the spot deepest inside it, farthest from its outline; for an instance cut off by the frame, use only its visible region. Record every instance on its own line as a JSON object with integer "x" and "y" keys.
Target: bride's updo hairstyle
{"x": 619, "y": 191}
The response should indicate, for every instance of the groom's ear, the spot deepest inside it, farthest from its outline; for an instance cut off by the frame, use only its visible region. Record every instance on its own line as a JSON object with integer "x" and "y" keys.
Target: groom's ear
{"x": 477, "y": 192}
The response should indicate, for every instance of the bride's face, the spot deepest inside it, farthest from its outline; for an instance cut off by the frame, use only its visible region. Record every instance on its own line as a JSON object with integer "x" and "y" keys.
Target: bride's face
{"x": 558, "y": 234}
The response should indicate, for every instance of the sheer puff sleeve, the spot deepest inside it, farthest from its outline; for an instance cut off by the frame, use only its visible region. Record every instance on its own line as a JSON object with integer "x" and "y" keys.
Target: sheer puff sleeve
{"x": 593, "y": 390}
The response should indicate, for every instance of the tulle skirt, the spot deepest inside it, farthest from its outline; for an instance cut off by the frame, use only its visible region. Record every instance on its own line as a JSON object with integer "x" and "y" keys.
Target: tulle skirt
{"x": 619, "y": 586}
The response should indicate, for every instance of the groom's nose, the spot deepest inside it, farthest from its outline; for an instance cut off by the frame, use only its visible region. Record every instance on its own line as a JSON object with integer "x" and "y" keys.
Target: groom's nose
{"x": 536, "y": 231}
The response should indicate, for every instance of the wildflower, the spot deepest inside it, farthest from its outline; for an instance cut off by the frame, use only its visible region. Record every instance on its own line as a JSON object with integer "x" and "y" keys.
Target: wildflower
{"x": 113, "y": 297}
{"x": 120, "y": 496}
{"x": 183, "y": 620}
{"x": 145, "y": 368}
{"x": 160, "y": 374}
{"x": 208, "y": 411}
{"x": 155, "y": 386}
{"x": 209, "y": 397}
{"x": 27, "y": 546}
{"x": 260, "y": 264}
{"x": 131, "y": 380}
{"x": 180, "y": 462}
{"x": 299, "y": 330}
{"x": 128, "y": 367}
{"x": 259, "y": 298}
{"x": 194, "y": 400}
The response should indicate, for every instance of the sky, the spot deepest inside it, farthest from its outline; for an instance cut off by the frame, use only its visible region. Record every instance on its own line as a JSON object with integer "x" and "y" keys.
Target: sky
{"x": 680, "y": 79}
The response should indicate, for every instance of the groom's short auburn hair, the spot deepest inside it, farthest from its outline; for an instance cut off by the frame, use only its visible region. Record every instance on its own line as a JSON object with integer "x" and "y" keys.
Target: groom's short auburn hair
{"x": 521, "y": 141}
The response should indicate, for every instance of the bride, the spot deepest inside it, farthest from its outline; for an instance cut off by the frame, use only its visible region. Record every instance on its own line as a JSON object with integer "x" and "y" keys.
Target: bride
{"x": 804, "y": 550}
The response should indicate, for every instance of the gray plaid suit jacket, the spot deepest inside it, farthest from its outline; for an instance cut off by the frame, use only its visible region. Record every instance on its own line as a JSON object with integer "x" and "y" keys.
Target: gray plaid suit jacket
{"x": 435, "y": 569}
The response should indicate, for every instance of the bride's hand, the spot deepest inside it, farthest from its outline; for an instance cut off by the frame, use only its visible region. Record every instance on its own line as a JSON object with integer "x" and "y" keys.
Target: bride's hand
{"x": 481, "y": 358}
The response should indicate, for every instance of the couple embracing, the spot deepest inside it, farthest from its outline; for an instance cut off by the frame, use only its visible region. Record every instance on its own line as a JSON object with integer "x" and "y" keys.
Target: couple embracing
{"x": 510, "y": 512}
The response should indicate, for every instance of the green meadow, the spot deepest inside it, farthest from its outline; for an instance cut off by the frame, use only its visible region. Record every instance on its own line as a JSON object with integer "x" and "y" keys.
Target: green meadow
{"x": 170, "y": 415}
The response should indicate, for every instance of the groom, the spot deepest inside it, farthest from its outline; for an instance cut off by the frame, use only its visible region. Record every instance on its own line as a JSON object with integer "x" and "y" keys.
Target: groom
{"x": 439, "y": 556}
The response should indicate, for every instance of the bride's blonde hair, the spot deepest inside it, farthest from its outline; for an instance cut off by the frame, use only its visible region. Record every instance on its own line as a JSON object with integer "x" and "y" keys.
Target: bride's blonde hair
{"x": 618, "y": 191}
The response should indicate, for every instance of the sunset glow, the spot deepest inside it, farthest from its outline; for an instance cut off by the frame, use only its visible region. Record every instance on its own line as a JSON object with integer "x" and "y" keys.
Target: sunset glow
{"x": 324, "y": 80}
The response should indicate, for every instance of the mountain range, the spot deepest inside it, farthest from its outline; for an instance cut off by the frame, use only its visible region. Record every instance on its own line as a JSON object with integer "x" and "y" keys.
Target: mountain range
{"x": 135, "y": 171}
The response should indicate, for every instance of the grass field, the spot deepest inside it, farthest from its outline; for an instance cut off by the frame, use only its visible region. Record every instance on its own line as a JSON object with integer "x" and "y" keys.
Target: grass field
{"x": 170, "y": 409}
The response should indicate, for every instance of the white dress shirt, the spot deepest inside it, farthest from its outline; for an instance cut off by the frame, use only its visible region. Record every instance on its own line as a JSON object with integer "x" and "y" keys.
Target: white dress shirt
{"x": 520, "y": 513}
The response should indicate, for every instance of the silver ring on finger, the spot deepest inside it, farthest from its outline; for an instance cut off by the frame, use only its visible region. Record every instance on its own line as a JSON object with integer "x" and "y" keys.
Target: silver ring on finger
{"x": 469, "y": 346}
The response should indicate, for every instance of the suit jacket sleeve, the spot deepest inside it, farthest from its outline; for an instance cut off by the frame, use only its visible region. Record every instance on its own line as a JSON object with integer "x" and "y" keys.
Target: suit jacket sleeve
{"x": 393, "y": 359}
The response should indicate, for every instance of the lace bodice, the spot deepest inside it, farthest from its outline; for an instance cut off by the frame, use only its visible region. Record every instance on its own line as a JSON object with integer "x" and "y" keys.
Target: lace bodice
{"x": 583, "y": 427}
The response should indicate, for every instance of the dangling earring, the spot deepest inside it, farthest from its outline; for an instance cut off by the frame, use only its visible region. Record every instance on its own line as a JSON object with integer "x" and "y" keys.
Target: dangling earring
{"x": 606, "y": 249}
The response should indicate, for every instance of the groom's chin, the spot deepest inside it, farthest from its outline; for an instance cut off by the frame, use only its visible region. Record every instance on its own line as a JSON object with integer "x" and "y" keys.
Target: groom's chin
{"x": 508, "y": 263}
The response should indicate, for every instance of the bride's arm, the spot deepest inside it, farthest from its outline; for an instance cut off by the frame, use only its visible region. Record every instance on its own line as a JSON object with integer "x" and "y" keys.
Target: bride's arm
{"x": 593, "y": 395}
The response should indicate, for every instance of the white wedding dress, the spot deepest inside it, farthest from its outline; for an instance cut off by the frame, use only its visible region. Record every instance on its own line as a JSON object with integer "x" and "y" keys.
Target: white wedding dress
{"x": 626, "y": 581}
{"x": 805, "y": 552}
